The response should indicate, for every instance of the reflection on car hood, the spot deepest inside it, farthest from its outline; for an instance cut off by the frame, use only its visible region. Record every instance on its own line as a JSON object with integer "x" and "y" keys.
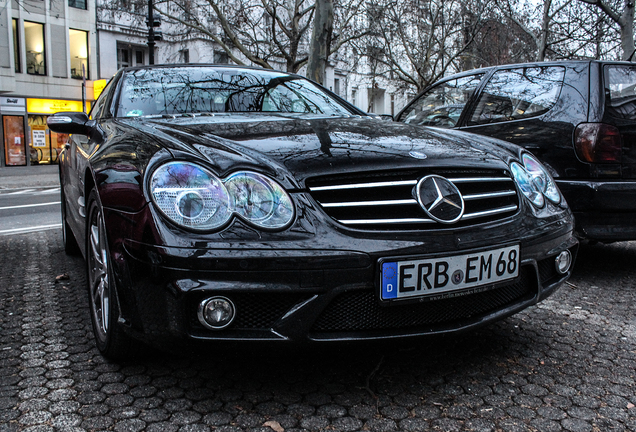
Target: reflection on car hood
{"x": 308, "y": 145}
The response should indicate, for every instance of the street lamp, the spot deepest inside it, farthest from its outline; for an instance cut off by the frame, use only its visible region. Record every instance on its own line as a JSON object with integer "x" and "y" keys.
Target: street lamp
{"x": 153, "y": 34}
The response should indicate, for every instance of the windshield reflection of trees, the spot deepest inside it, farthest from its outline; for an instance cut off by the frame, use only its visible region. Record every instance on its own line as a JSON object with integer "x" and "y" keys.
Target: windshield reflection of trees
{"x": 518, "y": 93}
{"x": 450, "y": 97}
{"x": 200, "y": 90}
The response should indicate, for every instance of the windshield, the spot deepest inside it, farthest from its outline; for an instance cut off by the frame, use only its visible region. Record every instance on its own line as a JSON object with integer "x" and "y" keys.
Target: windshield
{"x": 184, "y": 90}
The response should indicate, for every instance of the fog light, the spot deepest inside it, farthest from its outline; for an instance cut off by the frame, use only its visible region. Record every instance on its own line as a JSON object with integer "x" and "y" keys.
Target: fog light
{"x": 216, "y": 313}
{"x": 563, "y": 261}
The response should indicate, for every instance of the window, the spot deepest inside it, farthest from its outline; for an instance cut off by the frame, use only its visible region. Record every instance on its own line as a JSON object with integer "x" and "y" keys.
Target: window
{"x": 129, "y": 55}
{"x": 620, "y": 91}
{"x": 221, "y": 57}
{"x": 14, "y": 153}
{"x": 16, "y": 47}
{"x": 336, "y": 86}
{"x": 34, "y": 45}
{"x": 513, "y": 94}
{"x": 123, "y": 57}
{"x": 199, "y": 90}
{"x": 79, "y": 4}
{"x": 78, "y": 41}
{"x": 443, "y": 104}
{"x": 375, "y": 15}
{"x": 184, "y": 56}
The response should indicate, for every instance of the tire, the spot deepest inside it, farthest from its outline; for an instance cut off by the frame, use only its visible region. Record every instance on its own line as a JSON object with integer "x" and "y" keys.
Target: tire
{"x": 68, "y": 238}
{"x": 110, "y": 338}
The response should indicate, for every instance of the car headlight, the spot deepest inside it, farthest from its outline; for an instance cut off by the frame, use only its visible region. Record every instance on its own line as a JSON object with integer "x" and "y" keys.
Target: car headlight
{"x": 191, "y": 196}
{"x": 259, "y": 200}
{"x": 541, "y": 178}
{"x": 527, "y": 186}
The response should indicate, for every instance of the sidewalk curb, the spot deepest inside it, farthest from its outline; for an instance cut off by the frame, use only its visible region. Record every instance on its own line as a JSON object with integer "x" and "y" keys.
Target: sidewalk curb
{"x": 30, "y": 176}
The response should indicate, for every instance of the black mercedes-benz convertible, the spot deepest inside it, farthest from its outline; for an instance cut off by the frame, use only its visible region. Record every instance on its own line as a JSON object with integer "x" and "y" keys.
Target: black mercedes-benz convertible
{"x": 229, "y": 203}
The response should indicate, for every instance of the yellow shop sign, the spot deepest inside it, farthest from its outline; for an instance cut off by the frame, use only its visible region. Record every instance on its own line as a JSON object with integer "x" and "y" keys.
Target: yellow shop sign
{"x": 51, "y": 106}
{"x": 98, "y": 87}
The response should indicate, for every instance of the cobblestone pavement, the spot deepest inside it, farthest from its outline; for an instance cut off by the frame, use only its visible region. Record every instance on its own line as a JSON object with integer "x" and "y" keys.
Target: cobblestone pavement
{"x": 567, "y": 364}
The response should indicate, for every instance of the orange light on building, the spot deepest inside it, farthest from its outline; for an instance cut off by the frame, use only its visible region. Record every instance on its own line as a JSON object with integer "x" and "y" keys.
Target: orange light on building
{"x": 51, "y": 106}
{"x": 98, "y": 87}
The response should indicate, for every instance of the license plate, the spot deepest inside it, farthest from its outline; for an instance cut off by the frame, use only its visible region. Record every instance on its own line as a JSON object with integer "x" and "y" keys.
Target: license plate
{"x": 429, "y": 277}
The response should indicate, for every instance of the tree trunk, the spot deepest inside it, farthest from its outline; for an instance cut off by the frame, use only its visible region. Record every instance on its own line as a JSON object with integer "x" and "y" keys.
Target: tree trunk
{"x": 320, "y": 41}
{"x": 626, "y": 24}
{"x": 545, "y": 26}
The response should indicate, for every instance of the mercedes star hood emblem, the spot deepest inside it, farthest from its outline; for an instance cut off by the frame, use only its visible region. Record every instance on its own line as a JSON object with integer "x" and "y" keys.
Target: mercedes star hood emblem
{"x": 440, "y": 199}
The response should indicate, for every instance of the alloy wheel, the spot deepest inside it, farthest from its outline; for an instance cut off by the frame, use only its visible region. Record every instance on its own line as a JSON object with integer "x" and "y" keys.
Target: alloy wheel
{"x": 99, "y": 274}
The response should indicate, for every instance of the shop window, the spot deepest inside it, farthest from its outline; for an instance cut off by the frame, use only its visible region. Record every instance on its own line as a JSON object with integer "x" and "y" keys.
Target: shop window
{"x": 16, "y": 47}
{"x": 34, "y": 45}
{"x": 78, "y": 41}
{"x": 14, "y": 153}
{"x": 79, "y": 4}
{"x": 45, "y": 146}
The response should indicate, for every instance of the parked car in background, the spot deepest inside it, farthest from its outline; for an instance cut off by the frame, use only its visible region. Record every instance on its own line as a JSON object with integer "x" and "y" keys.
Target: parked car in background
{"x": 228, "y": 203}
{"x": 577, "y": 117}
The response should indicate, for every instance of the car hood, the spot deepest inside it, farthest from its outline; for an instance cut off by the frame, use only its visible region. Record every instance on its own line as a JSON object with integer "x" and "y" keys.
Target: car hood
{"x": 306, "y": 146}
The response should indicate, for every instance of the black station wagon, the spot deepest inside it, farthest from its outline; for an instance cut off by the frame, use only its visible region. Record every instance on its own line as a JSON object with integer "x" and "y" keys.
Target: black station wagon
{"x": 577, "y": 117}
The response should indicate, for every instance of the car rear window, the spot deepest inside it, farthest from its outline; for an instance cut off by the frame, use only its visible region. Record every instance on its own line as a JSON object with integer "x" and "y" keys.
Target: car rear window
{"x": 620, "y": 86}
{"x": 518, "y": 93}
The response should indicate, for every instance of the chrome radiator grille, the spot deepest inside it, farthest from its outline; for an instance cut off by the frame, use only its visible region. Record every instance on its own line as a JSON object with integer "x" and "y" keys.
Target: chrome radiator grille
{"x": 387, "y": 201}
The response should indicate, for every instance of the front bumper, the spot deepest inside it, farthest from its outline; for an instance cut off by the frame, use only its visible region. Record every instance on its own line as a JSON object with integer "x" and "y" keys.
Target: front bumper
{"x": 604, "y": 210}
{"x": 313, "y": 294}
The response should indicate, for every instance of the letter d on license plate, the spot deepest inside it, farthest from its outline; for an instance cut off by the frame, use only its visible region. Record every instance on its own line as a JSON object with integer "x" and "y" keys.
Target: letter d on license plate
{"x": 427, "y": 277}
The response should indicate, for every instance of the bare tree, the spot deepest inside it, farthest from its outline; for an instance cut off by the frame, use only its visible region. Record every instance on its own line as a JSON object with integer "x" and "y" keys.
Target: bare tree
{"x": 419, "y": 41}
{"x": 568, "y": 30}
{"x": 257, "y": 32}
{"x": 624, "y": 19}
{"x": 267, "y": 32}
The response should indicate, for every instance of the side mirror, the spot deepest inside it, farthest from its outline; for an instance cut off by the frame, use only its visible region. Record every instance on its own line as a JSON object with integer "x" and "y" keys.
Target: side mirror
{"x": 386, "y": 117}
{"x": 69, "y": 123}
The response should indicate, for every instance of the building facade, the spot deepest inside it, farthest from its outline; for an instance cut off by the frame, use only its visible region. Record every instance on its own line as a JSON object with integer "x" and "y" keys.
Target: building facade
{"x": 48, "y": 58}
{"x": 54, "y": 53}
{"x": 123, "y": 41}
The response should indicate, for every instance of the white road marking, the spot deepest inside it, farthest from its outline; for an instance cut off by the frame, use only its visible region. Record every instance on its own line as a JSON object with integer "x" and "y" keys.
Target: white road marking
{"x": 30, "y": 205}
{"x": 30, "y": 229}
{"x": 49, "y": 191}
{"x": 20, "y": 192}
{"x": 31, "y": 191}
